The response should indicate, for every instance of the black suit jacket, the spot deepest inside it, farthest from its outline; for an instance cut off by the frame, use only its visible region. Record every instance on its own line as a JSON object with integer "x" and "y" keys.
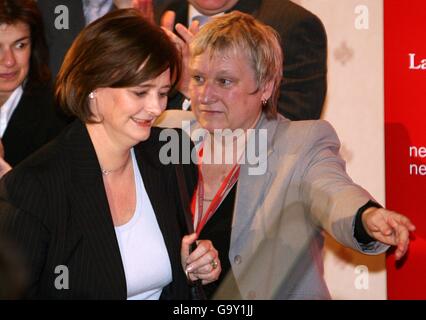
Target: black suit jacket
{"x": 304, "y": 44}
{"x": 60, "y": 40}
{"x": 54, "y": 206}
{"x": 34, "y": 122}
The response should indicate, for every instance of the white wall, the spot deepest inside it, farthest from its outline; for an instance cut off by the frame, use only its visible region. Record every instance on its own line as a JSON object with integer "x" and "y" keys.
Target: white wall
{"x": 355, "y": 107}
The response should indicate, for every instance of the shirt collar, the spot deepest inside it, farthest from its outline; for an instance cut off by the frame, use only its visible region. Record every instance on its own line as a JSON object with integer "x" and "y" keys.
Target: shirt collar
{"x": 8, "y": 108}
{"x": 192, "y": 12}
{"x": 95, "y": 9}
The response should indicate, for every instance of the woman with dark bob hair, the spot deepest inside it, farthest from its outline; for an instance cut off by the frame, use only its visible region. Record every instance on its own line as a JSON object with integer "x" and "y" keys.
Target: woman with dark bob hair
{"x": 96, "y": 213}
{"x": 27, "y": 118}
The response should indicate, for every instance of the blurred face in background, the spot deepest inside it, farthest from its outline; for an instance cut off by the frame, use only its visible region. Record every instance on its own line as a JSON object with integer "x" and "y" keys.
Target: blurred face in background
{"x": 15, "y": 51}
{"x": 211, "y": 7}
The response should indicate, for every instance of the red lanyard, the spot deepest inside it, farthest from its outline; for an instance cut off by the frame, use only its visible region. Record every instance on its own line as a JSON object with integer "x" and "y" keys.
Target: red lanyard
{"x": 225, "y": 187}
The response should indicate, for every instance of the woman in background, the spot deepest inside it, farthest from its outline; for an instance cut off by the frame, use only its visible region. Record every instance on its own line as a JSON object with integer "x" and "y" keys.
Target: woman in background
{"x": 27, "y": 116}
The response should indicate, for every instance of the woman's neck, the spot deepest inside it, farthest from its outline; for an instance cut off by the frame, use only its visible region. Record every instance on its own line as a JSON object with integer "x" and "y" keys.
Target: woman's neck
{"x": 227, "y": 147}
{"x": 112, "y": 156}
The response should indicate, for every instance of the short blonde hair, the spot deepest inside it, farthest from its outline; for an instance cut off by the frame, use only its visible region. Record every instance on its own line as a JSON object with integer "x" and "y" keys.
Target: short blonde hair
{"x": 240, "y": 32}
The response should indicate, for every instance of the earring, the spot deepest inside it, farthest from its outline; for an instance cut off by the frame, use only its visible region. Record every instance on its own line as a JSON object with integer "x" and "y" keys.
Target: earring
{"x": 92, "y": 95}
{"x": 264, "y": 102}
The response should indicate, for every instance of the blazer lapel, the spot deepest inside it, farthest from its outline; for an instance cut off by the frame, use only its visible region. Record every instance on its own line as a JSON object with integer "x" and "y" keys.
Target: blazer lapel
{"x": 179, "y": 7}
{"x": 91, "y": 211}
{"x": 251, "y": 188}
{"x": 160, "y": 187}
{"x": 24, "y": 120}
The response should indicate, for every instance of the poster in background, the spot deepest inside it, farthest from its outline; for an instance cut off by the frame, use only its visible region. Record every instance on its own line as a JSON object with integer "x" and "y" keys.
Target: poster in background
{"x": 405, "y": 131}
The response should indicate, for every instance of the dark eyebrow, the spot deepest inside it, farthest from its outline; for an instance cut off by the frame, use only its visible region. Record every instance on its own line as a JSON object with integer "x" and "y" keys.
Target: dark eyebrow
{"x": 23, "y": 38}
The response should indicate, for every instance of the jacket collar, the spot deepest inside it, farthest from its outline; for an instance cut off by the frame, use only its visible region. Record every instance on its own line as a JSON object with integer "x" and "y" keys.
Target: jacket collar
{"x": 252, "y": 187}
{"x": 91, "y": 211}
{"x": 88, "y": 196}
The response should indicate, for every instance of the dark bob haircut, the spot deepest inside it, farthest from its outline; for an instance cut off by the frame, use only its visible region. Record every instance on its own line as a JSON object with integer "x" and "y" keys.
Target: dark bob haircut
{"x": 121, "y": 49}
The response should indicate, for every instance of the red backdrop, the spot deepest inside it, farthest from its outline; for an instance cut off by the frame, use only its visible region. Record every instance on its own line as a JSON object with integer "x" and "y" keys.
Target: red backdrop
{"x": 405, "y": 117}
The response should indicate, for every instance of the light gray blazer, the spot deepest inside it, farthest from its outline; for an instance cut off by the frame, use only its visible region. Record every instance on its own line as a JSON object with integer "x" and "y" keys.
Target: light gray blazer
{"x": 276, "y": 240}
